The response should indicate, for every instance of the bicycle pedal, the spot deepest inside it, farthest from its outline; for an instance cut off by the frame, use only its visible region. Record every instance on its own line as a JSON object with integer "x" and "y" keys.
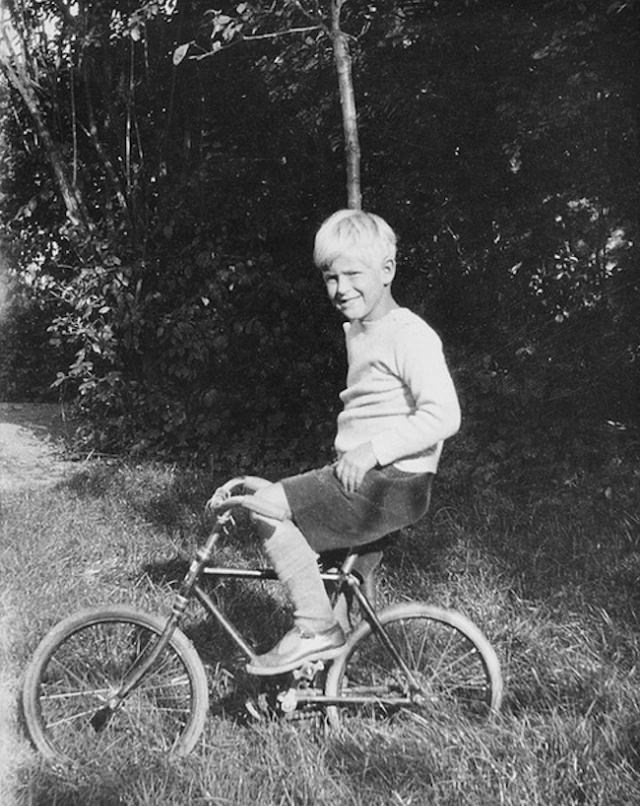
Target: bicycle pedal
{"x": 308, "y": 670}
{"x": 288, "y": 700}
{"x": 305, "y": 718}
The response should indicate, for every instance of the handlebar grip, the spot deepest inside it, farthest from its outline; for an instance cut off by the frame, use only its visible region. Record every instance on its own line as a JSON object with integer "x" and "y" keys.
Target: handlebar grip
{"x": 252, "y": 483}
{"x": 223, "y": 498}
{"x": 254, "y": 505}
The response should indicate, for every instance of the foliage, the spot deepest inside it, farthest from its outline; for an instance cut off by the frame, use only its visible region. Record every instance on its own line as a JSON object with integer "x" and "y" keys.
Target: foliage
{"x": 25, "y": 352}
{"x": 499, "y": 139}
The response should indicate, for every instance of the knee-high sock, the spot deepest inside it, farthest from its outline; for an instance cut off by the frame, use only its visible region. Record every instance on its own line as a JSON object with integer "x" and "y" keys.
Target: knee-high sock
{"x": 296, "y": 564}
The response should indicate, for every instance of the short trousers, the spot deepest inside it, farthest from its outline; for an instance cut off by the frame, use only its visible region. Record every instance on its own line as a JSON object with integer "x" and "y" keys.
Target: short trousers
{"x": 331, "y": 518}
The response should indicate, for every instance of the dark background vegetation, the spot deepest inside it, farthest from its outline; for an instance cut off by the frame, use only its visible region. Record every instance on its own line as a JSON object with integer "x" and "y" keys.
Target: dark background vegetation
{"x": 178, "y": 306}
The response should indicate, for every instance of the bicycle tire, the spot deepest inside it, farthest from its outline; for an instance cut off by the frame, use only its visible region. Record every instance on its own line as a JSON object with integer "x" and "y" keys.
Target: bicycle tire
{"x": 453, "y": 663}
{"x": 82, "y": 661}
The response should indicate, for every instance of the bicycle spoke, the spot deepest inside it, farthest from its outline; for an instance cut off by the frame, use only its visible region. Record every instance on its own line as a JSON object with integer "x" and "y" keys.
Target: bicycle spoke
{"x": 68, "y": 671}
{"x": 72, "y": 718}
{"x": 79, "y": 673}
{"x": 71, "y": 694}
{"x": 448, "y": 659}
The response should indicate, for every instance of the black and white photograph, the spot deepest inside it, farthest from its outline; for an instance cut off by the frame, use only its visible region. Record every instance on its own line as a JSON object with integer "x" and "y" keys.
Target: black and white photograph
{"x": 319, "y": 403}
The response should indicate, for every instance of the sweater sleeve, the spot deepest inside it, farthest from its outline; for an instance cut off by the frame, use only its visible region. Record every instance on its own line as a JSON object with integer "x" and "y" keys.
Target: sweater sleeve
{"x": 435, "y": 411}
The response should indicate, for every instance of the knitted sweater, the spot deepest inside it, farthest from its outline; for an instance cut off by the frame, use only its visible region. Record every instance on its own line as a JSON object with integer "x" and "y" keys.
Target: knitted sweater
{"x": 399, "y": 395}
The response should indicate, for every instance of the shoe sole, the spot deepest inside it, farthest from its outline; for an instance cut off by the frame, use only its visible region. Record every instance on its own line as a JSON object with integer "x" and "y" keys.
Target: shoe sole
{"x": 269, "y": 671}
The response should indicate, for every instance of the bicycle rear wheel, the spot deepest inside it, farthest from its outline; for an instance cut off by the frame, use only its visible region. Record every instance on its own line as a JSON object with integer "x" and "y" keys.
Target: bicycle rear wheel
{"x": 453, "y": 666}
{"x": 82, "y": 662}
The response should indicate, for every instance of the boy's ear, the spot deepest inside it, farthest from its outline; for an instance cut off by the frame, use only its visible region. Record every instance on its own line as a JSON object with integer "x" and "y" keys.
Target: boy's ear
{"x": 389, "y": 270}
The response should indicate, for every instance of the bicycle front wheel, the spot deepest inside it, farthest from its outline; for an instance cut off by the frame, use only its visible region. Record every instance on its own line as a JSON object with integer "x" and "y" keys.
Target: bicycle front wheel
{"x": 449, "y": 667}
{"x": 79, "y": 666}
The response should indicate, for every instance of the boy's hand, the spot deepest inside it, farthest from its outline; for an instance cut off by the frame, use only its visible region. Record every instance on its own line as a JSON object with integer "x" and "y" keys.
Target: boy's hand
{"x": 352, "y": 466}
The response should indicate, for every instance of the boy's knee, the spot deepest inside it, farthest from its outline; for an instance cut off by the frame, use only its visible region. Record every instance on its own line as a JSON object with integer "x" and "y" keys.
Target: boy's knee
{"x": 272, "y": 496}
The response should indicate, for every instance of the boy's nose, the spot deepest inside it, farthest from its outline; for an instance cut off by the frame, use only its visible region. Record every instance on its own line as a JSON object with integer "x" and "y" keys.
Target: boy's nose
{"x": 343, "y": 285}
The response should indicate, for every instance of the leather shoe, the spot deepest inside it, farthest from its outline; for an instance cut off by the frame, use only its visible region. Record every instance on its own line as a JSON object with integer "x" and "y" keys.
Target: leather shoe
{"x": 297, "y": 647}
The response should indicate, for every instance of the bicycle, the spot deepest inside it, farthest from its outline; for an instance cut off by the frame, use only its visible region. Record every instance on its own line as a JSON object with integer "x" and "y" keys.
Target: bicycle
{"x": 120, "y": 679}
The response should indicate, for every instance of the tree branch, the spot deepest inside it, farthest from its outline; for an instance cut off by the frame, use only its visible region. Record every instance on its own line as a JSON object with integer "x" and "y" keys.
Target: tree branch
{"x": 302, "y": 30}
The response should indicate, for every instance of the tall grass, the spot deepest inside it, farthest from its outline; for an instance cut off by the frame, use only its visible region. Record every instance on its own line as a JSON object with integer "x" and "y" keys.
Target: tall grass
{"x": 552, "y": 581}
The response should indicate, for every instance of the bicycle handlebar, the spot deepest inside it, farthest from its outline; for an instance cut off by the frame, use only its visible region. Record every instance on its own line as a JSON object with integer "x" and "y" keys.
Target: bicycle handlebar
{"x": 223, "y": 499}
{"x": 259, "y": 507}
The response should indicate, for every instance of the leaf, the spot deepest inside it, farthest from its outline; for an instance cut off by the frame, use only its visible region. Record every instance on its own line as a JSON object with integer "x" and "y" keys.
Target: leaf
{"x": 180, "y": 52}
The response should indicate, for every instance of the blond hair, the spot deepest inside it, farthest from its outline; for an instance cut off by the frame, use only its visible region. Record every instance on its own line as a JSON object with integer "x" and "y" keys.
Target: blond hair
{"x": 365, "y": 234}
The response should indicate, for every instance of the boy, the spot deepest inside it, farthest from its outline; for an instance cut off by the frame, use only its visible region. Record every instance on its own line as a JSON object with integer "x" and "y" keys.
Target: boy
{"x": 398, "y": 407}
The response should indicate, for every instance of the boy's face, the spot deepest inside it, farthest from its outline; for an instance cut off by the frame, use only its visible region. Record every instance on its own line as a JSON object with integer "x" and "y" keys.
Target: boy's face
{"x": 360, "y": 288}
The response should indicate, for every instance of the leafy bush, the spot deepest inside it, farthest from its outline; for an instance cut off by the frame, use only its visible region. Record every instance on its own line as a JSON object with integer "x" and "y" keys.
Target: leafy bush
{"x": 28, "y": 360}
{"x": 181, "y": 307}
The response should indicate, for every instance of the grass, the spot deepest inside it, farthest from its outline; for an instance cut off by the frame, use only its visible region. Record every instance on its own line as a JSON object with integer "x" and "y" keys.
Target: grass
{"x": 552, "y": 581}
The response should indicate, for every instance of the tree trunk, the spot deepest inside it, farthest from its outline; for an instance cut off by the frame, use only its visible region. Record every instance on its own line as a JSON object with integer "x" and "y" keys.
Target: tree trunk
{"x": 73, "y": 202}
{"x": 110, "y": 171}
{"x": 348, "y": 105}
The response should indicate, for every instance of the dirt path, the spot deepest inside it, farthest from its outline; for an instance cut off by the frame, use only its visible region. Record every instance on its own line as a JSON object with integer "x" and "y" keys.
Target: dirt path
{"x": 31, "y": 446}
{"x": 31, "y": 456}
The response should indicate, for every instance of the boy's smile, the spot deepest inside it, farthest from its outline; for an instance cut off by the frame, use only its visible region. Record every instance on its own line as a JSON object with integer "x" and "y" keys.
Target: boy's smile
{"x": 359, "y": 289}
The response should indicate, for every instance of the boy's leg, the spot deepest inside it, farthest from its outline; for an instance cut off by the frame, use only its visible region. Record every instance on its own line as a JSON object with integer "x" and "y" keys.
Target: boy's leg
{"x": 316, "y": 630}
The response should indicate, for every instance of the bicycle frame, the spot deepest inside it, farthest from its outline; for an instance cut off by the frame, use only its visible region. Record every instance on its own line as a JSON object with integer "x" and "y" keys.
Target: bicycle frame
{"x": 201, "y": 566}
{"x": 405, "y": 655}
{"x": 339, "y": 577}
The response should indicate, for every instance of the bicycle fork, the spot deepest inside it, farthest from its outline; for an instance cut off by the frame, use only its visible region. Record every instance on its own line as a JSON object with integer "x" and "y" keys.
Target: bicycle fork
{"x": 347, "y": 577}
{"x": 150, "y": 655}
{"x": 383, "y": 636}
{"x": 140, "y": 667}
